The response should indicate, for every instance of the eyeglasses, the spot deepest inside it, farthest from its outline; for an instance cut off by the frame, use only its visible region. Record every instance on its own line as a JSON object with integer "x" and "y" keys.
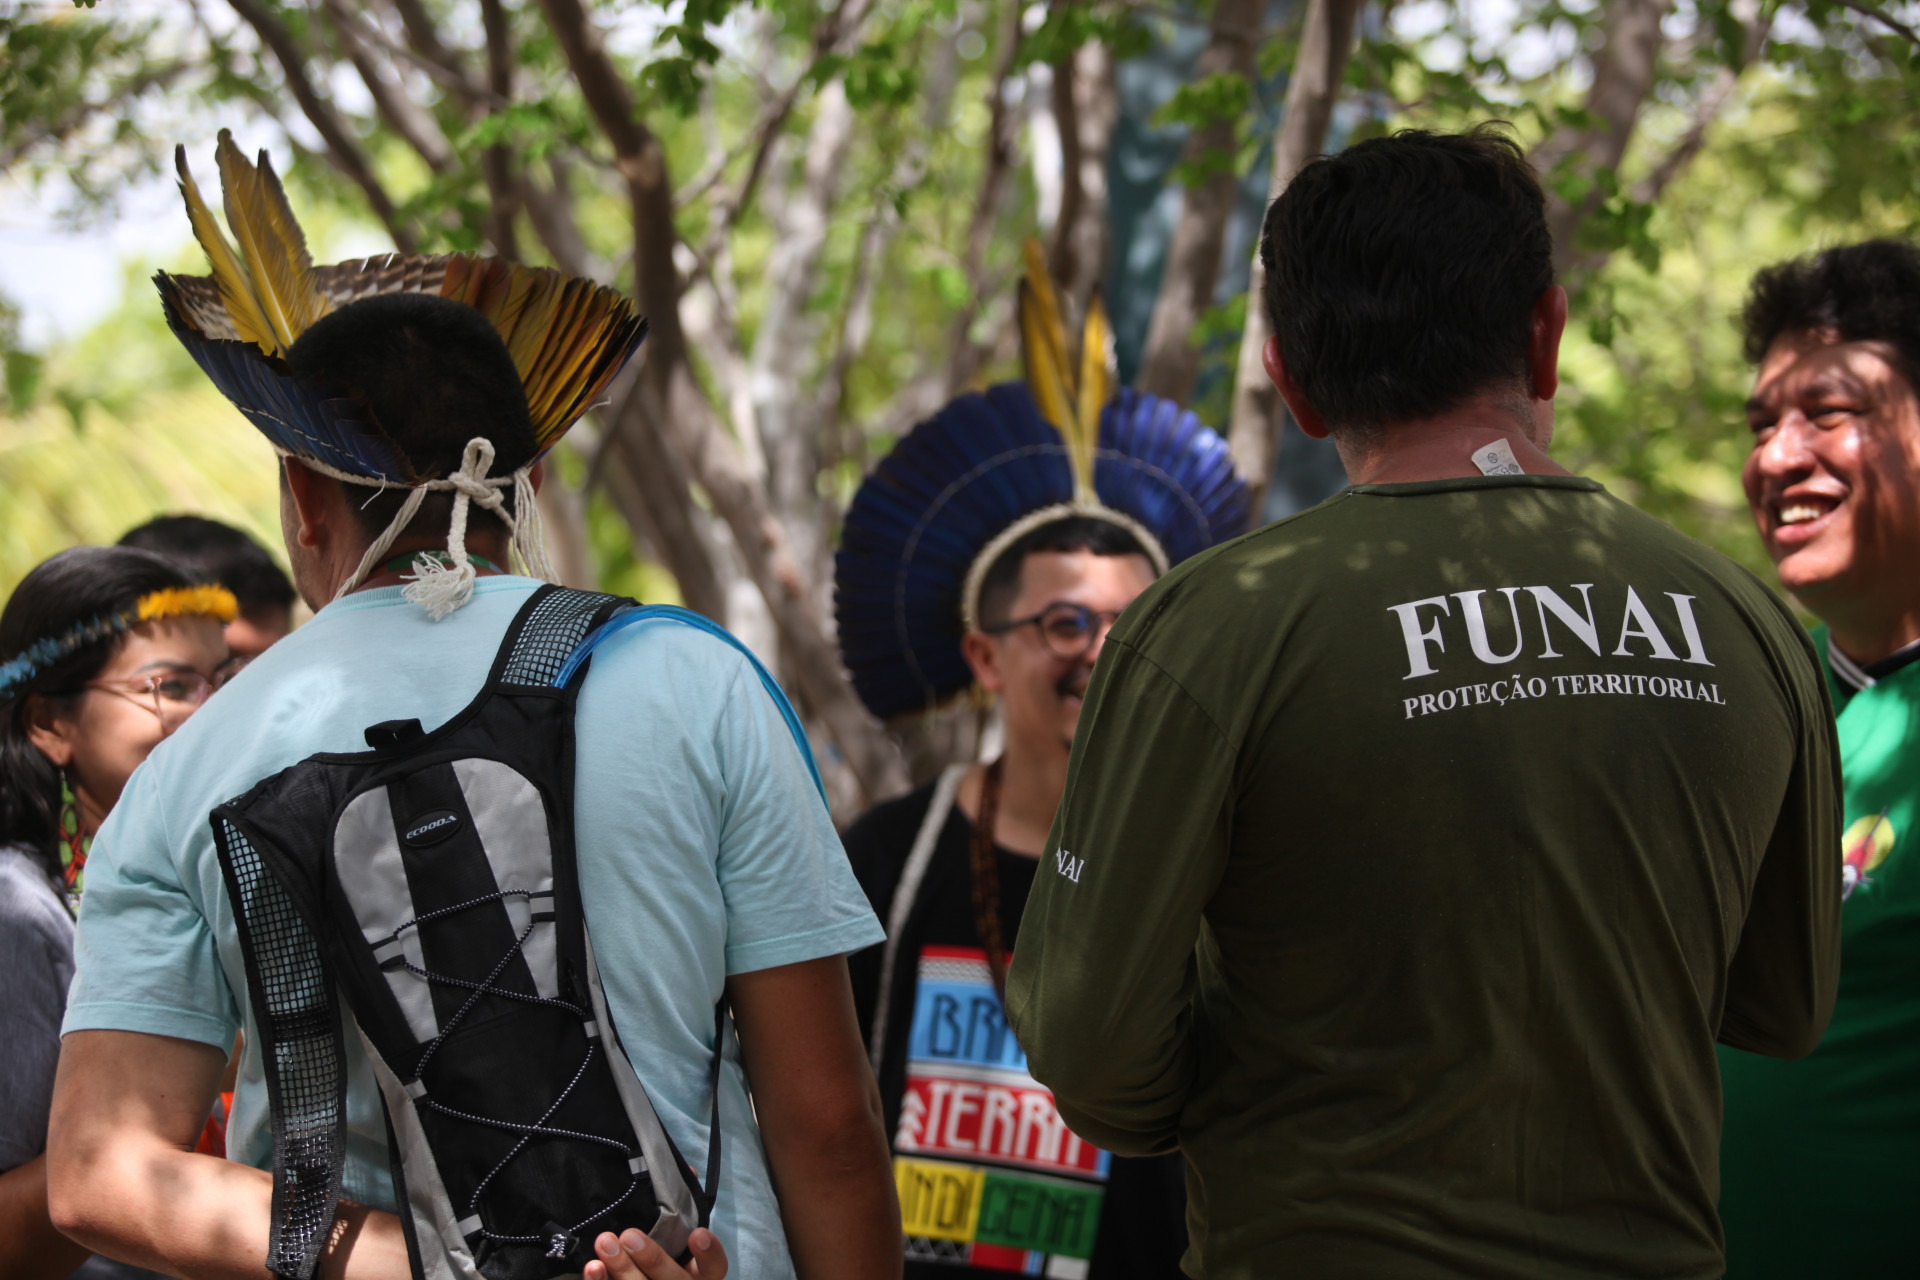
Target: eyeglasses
{"x": 171, "y": 696}
{"x": 1068, "y": 630}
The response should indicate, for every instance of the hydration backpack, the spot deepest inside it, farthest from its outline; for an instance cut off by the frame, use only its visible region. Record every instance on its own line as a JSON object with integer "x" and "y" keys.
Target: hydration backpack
{"x": 430, "y": 882}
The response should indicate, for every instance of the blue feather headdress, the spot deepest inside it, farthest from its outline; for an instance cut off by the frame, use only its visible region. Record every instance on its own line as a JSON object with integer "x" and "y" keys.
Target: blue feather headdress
{"x": 991, "y": 466}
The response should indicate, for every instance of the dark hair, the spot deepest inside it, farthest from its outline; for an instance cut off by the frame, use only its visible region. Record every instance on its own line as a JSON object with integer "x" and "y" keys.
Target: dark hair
{"x": 435, "y": 374}
{"x": 62, "y": 592}
{"x": 1001, "y": 585}
{"x": 1867, "y": 292}
{"x": 1402, "y": 273}
{"x": 208, "y": 551}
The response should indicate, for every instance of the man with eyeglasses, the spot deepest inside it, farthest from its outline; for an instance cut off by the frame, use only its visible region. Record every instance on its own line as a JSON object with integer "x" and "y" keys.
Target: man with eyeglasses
{"x": 1046, "y": 604}
{"x": 987, "y": 556}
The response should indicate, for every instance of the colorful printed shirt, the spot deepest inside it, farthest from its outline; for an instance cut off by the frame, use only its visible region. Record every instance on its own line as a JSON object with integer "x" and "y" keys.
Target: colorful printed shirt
{"x": 991, "y": 1179}
{"x": 1414, "y": 852}
{"x": 1822, "y": 1156}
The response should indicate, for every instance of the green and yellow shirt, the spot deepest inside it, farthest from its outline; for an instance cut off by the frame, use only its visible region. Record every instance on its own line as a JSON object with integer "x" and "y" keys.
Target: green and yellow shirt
{"x": 1822, "y": 1156}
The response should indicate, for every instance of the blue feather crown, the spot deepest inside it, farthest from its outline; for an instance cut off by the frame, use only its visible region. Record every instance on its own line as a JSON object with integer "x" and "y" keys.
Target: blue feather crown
{"x": 924, "y": 525}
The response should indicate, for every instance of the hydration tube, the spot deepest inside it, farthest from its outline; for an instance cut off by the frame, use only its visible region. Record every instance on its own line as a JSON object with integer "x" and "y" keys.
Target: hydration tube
{"x": 640, "y": 614}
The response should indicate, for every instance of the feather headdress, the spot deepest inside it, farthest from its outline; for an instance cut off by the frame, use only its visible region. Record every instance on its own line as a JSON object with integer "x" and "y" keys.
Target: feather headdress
{"x": 964, "y": 485}
{"x": 568, "y": 338}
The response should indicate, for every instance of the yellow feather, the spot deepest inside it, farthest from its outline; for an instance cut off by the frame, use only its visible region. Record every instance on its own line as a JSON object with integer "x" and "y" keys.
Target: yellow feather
{"x": 229, "y": 272}
{"x": 1046, "y": 370}
{"x": 271, "y": 243}
{"x": 1096, "y": 388}
{"x": 1043, "y": 343}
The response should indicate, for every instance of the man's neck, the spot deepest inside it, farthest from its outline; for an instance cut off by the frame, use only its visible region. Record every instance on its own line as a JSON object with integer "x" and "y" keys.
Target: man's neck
{"x": 1443, "y": 447}
{"x": 397, "y": 569}
{"x": 1033, "y": 777}
{"x": 1871, "y": 634}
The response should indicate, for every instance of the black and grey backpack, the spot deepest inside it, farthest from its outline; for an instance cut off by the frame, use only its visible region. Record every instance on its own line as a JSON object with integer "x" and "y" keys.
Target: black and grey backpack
{"x": 430, "y": 882}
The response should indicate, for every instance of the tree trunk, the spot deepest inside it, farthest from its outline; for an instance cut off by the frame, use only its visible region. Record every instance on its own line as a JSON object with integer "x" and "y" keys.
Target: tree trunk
{"x": 1326, "y": 42}
{"x": 1623, "y": 75}
{"x": 1170, "y": 362}
{"x": 785, "y": 349}
{"x": 673, "y": 403}
{"x": 563, "y": 517}
{"x": 1086, "y": 103}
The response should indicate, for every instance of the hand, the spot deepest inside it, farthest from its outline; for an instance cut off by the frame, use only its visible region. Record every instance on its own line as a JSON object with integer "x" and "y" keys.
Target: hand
{"x": 633, "y": 1256}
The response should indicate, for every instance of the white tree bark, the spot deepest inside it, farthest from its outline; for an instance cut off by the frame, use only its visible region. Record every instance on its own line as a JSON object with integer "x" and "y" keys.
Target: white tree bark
{"x": 1326, "y": 42}
{"x": 1170, "y": 361}
{"x": 1623, "y": 76}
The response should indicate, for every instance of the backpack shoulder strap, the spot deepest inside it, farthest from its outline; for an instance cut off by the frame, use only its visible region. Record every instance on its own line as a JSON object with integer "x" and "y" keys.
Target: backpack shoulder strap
{"x": 546, "y": 633}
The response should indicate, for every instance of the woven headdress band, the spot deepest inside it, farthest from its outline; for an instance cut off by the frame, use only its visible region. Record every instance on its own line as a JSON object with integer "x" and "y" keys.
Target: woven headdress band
{"x": 169, "y": 602}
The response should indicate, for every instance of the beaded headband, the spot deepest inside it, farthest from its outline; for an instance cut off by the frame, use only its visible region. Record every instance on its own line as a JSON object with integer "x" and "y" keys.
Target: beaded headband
{"x": 168, "y": 602}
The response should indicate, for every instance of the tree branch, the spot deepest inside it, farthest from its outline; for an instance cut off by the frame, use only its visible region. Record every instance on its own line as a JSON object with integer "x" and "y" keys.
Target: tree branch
{"x": 402, "y": 114}
{"x": 840, "y": 26}
{"x": 341, "y": 146}
{"x": 1170, "y": 361}
{"x": 59, "y": 130}
{"x": 424, "y": 39}
{"x": 856, "y": 323}
{"x": 790, "y": 436}
{"x": 1326, "y": 42}
{"x": 451, "y": 74}
{"x": 986, "y": 209}
{"x": 1884, "y": 18}
{"x": 550, "y": 211}
{"x": 497, "y": 163}
{"x": 1705, "y": 112}
{"x": 1623, "y": 76}
{"x": 676, "y": 409}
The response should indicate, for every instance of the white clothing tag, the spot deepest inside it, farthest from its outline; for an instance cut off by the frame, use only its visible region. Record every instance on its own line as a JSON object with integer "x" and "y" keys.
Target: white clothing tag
{"x": 1497, "y": 460}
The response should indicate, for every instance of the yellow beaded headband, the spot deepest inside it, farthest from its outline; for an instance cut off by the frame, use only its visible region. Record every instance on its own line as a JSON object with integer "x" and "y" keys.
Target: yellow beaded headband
{"x": 168, "y": 602}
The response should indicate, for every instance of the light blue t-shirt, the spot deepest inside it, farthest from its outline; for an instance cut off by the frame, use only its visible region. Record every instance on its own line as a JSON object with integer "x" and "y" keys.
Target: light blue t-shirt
{"x": 704, "y": 850}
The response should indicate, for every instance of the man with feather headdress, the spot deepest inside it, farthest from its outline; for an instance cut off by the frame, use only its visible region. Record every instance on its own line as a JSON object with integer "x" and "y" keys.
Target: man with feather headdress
{"x": 411, "y": 400}
{"x": 994, "y": 548}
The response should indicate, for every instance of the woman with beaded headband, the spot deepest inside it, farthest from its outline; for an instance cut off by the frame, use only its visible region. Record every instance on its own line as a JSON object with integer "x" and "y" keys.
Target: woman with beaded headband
{"x": 104, "y": 651}
{"x": 992, "y": 549}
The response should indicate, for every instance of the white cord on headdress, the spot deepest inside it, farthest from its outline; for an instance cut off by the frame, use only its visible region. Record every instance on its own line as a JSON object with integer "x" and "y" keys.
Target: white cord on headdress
{"x": 437, "y": 586}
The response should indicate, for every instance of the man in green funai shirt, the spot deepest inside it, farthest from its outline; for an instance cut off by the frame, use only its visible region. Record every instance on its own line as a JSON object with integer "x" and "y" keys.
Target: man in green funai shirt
{"x": 1416, "y": 850}
{"x": 1823, "y": 1155}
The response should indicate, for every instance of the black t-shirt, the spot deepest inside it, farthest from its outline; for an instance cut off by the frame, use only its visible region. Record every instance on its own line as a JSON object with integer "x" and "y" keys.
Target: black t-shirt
{"x": 991, "y": 1179}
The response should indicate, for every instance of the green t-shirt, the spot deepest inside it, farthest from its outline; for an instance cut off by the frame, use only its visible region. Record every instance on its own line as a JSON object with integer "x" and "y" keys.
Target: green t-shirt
{"x": 1823, "y": 1155}
{"x": 1413, "y": 854}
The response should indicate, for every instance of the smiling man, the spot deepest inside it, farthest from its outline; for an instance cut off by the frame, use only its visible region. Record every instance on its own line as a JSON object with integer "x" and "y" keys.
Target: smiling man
{"x": 1821, "y": 1155}
{"x": 991, "y": 551}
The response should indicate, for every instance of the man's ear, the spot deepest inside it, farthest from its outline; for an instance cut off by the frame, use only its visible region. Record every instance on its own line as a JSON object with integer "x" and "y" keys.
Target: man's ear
{"x": 538, "y": 475}
{"x": 50, "y": 732}
{"x": 1545, "y": 328}
{"x": 308, "y": 491}
{"x": 1303, "y": 412}
{"x": 983, "y": 655}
